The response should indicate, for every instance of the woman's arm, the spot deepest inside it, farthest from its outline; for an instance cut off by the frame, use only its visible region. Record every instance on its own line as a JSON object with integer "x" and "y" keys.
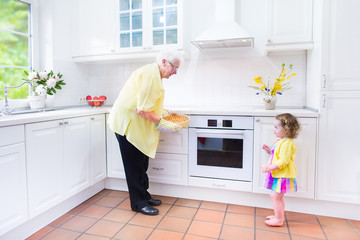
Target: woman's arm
{"x": 150, "y": 116}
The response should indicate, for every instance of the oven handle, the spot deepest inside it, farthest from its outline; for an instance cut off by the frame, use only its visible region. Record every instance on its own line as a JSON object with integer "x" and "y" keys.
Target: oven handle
{"x": 224, "y": 132}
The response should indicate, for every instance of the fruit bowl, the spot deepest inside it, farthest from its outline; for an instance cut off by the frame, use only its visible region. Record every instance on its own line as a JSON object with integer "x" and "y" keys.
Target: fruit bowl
{"x": 96, "y": 103}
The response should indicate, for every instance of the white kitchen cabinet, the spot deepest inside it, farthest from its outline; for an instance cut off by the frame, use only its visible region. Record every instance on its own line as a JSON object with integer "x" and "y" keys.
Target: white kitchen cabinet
{"x": 305, "y": 155}
{"x": 289, "y": 25}
{"x": 98, "y": 148}
{"x": 170, "y": 164}
{"x": 58, "y": 161}
{"x": 125, "y": 30}
{"x": 13, "y": 202}
{"x": 115, "y": 167}
{"x": 338, "y": 167}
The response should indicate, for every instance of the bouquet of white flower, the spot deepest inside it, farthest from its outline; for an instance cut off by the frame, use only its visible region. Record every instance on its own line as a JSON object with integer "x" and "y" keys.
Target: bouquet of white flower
{"x": 45, "y": 83}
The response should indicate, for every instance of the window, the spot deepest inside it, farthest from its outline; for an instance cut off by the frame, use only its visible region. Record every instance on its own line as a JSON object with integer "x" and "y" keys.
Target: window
{"x": 15, "y": 46}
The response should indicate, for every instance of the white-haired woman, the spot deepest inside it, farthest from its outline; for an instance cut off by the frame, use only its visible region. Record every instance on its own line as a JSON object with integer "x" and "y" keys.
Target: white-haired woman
{"x": 135, "y": 118}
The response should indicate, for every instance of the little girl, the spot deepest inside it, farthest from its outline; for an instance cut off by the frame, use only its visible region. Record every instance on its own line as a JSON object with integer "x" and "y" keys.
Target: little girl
{"x": 281, "y": 168}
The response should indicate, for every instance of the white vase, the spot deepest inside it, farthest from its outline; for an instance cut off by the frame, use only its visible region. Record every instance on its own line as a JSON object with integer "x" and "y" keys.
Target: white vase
{"x": 50, "y": 101}
{"x": 37, "y": 102}
{"x": 270, "y": 102}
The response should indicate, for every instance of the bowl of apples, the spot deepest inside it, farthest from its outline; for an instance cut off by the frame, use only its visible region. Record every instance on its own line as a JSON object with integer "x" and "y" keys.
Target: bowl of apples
{"x": 96, "y": 101}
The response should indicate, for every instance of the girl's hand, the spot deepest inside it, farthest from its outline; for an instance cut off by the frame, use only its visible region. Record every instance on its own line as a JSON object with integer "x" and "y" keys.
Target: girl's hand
{"x": 266, "y": 148}
{"x": 265, "y": 168}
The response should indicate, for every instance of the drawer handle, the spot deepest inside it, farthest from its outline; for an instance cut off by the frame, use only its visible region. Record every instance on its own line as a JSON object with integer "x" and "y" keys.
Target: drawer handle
{"x": 219, "y": 185}
{"x": 159, "y": 169}
{"x": 161, "y": 140}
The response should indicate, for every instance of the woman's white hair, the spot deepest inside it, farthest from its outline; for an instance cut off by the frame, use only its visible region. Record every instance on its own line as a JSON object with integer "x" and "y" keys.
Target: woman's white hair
{"x": 169, "y": 54}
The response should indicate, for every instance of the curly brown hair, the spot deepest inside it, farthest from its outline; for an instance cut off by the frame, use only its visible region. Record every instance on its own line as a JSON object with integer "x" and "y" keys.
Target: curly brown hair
{"x": 290, "y": 124}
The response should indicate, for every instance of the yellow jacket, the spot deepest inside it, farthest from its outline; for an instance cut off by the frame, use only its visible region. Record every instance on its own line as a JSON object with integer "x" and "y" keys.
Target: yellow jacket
{"x": 144, "y": 90}
{"x": 284, "y": 158}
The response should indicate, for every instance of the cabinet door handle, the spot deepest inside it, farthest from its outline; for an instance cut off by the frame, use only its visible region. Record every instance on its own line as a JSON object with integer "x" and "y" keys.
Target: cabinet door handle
{"x": 66, "y": 123}
{"x": 92, "y": 118}
{"x": 158, "y": 169}
{"x": 61, "y": 123}
{"x": 324, "y": 80}
{"x": 323, "y": 100}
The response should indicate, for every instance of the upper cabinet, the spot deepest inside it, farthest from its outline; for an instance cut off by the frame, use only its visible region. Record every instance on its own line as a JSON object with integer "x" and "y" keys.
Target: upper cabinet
{"x": 289, "y": 25}
{"x": 125, "y": 29}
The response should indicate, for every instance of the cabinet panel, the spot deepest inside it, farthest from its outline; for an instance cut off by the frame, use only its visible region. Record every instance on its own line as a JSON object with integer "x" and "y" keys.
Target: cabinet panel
{"x": 341, "y": 45}
{"x": 338, "y": 172}
{"x": 168, "y": 168}
{"x": 77, "y": 155}
{"x": 305, "y": 155}
{"x": 44, "y": 154}
{"x": 13, "y": 203}
{"x": 98, "y": 148}
{"x": 176, "y": 143}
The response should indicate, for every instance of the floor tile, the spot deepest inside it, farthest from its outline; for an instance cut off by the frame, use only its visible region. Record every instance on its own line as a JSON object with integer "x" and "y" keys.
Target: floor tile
{"x": 105, "y": 228}
{"x": 158, "y": 234}
{"x": 187, "y": 202}
{"x": 91, "y": 237}
{"x": 41, "y": 233}
{"x": 125, "y": 205}
{"x": 105, "y": 192}
{"x": 61, "y": 234}
{"x": 133, "y": 232}
{"x": 79, "y": 208}
{"x": 236, "y": 233}
{"x": 262, "y": 234}
{"x": 95, "y": 211}
{"x": 93, "y": 199}
{"x": 297, "y": 237}
{"x": 213, "y": 206}
{"x": 264, "y": 212}
{"x": 305, "y": 229}
{"x": 301, "y": 217}
{"x": 205, "y": 229}
{"x": 164, "y": 199}
{"x": 61, "y": 220}
{"x": 240, "y": 209}
{"x": 210, "y": 216}
{"x": 194, "y": 237}
{"x": 119, "y": 215}
{"x": 237, "y": 219}
{"x": 260, "y": 224}
{"x": 79, "y": 223}
{"x": 174, "y": 224}
{"x": 109, "y": 201}
{"x": 356, "y": 224}
{"x": 335, "y": 222}
{"x": 336, "y": 233}
{"x": 120, "y": 194}
{"x": 182, "y": 212}
{"x": 146, "y": 220}
{"x": 163, "y": 208}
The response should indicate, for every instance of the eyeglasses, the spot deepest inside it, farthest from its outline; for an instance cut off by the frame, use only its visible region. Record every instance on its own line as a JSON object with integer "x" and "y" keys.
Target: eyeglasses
{"x": 175, "y": 68}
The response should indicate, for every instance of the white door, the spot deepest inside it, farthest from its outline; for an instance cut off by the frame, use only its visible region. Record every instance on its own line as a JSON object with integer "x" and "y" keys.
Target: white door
{"x": 305, "y": 154}
{"x": 98, "y": 148}
{"x": 338, "y": 174}
{"x": 44, "y": 161}
{"x": 76, "y": 140}
{"x": 13, "y": 203}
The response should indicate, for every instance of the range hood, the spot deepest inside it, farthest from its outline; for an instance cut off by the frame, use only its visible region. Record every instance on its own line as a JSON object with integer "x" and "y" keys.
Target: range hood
{"x": 225, "y": 32}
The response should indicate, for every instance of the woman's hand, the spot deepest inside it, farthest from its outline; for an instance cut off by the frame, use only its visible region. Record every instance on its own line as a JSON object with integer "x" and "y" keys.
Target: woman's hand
{"x": 149, "y": 115}
{"x": 266, "y": 148}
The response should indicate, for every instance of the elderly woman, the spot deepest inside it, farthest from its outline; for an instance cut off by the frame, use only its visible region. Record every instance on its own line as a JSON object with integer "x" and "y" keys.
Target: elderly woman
{"x": 136, "y": 120}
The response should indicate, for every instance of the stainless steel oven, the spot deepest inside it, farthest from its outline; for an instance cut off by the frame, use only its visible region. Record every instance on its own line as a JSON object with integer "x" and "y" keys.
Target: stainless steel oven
{"x": 221, "y": 147}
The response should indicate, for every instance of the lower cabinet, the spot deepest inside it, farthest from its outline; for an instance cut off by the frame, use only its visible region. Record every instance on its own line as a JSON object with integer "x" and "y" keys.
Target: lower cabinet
{"x": 61, "y": 161}
{"x": 305, "y": 155}
{"x": 13, "y": 201}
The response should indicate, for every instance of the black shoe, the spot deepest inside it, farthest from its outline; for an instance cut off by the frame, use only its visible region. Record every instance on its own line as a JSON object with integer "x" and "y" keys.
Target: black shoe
{"x": 148, "y": 210}
{"x": 154, "y": 202}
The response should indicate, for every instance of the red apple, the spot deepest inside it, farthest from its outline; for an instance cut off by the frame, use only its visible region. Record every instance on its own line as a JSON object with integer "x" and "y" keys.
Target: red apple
{"x": 96, "y": 103}
{"x": 103, "y": 98}
{"x": 88, "y": 97}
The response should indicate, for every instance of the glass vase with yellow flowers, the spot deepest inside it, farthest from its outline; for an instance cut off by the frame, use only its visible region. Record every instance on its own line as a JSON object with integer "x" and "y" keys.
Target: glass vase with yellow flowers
{"x": 270, "y": 91}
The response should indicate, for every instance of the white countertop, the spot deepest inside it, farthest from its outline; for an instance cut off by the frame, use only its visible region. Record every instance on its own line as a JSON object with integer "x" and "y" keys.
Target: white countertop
{"x": 206, "y": 110}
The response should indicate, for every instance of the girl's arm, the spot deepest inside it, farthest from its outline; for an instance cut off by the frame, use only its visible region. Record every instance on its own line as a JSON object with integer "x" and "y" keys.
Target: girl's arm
{"x": 268, "y": 168}
{"x": 266, "y": 148}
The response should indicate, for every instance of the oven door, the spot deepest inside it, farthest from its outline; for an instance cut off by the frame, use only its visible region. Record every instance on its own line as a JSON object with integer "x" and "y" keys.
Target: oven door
{"x": 221, "y": 153}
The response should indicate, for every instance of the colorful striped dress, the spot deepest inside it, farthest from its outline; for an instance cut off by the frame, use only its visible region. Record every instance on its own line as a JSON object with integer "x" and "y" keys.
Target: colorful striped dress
{"x": 280, "y": 185}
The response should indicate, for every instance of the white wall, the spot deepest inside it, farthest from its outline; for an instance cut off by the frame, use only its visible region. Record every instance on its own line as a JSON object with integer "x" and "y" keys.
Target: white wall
{"x": 208, "y": 78}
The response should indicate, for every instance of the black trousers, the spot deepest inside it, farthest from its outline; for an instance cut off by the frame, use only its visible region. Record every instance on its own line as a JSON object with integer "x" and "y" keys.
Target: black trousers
{"x": 135, "y": 165}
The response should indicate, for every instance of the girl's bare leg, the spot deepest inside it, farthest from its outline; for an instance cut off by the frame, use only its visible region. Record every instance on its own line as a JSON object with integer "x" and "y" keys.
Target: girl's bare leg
{"x": 279, "y": 207}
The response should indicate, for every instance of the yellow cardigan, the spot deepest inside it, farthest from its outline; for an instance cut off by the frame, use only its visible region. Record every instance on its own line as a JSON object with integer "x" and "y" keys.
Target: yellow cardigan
{"x": 144, "y": 90}
{"x": 284, "y": 158}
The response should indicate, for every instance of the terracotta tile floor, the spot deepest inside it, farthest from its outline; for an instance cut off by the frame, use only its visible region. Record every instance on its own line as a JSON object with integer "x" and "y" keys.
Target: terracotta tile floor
{"x": 107, "y": 215}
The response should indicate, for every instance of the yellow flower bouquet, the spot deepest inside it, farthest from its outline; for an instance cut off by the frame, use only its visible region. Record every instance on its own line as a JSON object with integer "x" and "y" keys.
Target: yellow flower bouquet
{"x": 280, "y": 85}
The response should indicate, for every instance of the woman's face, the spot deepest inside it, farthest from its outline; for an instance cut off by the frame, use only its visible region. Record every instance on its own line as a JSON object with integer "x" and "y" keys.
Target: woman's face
{"x": 278, "y": 129}
{"x": 169, "y": 68}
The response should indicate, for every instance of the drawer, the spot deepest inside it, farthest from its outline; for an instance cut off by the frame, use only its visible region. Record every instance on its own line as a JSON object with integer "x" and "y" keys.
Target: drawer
{"x": 168, "y": 168}
{"x": 11, "y": 135}
{"x": 174, "y": 142}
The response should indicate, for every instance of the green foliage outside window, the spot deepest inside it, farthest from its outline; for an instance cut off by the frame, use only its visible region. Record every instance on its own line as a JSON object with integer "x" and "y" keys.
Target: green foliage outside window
{"x": 14, "y": 47}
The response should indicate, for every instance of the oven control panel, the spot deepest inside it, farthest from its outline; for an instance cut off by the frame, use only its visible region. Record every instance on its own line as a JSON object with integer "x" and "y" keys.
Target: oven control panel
{"x": 227, "y": 122}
